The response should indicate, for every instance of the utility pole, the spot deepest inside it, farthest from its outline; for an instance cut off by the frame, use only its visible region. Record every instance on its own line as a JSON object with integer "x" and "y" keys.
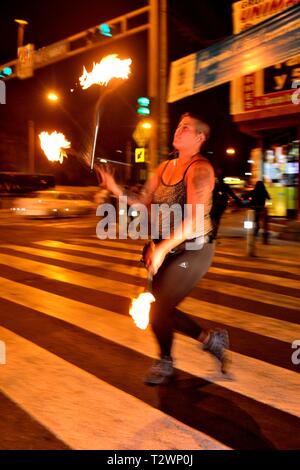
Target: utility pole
{"x": 153, "y": 74}
{"x": 21, "y": 28}
{"x": 163, "y": 79}
{"x": 31, "y": 146}
{"x": 157, "y": 81}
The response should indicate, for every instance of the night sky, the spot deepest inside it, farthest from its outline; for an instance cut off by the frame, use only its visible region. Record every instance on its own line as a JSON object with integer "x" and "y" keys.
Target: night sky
{"x": 193, "y": 25}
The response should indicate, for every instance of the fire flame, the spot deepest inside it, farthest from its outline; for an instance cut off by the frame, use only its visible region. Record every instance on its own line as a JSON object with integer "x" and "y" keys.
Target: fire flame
{"x": 140, "y": 308}
{"x": 109, "y": 67}
{"x": 53, "y": 145}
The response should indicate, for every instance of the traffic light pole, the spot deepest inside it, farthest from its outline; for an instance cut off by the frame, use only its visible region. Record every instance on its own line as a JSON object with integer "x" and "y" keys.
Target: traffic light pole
{"x": 163, "y": 81}
{"x": 31, "y": 147}
{"x": 153, "y": 74}
{"x": 157, "y": 82}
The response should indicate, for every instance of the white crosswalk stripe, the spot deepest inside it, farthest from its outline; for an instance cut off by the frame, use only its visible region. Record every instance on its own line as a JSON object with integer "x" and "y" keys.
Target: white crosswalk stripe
{"x": 49, "y": 282}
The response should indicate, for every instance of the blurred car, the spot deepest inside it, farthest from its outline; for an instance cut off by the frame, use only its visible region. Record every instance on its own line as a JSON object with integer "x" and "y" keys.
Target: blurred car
{"x": 53, "y": 204}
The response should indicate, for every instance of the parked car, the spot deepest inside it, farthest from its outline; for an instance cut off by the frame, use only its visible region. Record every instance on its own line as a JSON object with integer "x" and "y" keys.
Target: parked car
{"x": 53, "y": 204}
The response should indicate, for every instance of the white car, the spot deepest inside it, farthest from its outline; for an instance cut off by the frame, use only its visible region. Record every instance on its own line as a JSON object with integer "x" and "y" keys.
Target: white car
{"x": 53, "y": 204}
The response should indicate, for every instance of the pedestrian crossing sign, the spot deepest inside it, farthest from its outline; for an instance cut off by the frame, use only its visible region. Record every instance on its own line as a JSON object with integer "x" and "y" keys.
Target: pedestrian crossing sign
{"x": 139, "y": 155}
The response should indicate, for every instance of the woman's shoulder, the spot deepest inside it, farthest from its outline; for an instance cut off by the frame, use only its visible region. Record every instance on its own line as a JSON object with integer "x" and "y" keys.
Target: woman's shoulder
{"x": 201, "y": 165}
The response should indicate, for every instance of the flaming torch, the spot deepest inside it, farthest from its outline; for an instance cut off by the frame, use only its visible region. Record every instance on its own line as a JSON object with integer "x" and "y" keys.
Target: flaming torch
{"x": 140, "y": 307}
{"x": 54, "y": 145}
{"x": 109, "y": 67}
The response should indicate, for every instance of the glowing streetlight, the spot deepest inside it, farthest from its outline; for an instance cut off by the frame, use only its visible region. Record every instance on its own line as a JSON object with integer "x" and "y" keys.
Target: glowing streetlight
{"x": 230, "y": 151}
{"x": 146, "y": 125}
{"x": 21, "y": 28}
{"x": 52, "y": 96}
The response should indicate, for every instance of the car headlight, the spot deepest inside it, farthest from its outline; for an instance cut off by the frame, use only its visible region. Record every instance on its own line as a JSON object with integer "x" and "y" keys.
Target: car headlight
{"x": 248, "y": 224}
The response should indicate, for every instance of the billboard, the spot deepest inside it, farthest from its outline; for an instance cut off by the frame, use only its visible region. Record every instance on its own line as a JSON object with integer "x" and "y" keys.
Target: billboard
{"x": 273, "y": 41}
{"x": 271, "y": 85}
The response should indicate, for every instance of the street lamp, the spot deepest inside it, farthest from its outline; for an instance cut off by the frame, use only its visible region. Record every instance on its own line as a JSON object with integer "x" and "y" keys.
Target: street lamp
{"x": 146, "y": 125}
{"x": 21, "y": 28}
{"x": 230, "y": 151}
{"x": 52, "y": 96}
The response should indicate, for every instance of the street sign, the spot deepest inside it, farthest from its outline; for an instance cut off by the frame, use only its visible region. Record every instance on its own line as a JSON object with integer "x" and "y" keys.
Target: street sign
{"x": 49, "y": 54}
{"x": 25, "y": 61}
{"x": 139, "y": 155}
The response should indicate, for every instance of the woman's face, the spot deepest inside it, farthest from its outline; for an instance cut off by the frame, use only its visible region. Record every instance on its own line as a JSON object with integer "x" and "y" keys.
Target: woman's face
{"x": 186, "y": 134}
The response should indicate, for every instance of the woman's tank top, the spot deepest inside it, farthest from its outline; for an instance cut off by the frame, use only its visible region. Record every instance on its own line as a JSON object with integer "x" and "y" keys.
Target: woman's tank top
{"x": 167, "y": 195}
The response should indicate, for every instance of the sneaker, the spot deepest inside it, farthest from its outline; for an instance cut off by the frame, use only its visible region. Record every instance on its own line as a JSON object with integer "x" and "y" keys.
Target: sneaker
{"x": 161, "y": 372}
{"x": 216, "y": 345}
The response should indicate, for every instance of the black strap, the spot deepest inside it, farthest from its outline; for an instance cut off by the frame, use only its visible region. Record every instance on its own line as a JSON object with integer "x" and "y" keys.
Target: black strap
{"x": 168, "y": 161}
{"x": 186, "y": 170}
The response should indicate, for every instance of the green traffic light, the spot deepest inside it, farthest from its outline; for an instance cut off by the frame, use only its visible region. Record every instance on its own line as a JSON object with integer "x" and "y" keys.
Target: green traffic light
{"x": 6, "y": 72}
{"x": 105, "y": 30}
{"x": 142, "y": 111}
{"x": 143, "y": 101}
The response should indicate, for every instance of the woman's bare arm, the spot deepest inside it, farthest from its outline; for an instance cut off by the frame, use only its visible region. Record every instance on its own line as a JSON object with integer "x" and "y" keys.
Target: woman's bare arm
{"x": 147, "y": 192}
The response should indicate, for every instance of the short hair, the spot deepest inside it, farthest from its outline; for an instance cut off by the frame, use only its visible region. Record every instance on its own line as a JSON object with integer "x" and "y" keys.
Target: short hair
{"x": 201, "y": 126}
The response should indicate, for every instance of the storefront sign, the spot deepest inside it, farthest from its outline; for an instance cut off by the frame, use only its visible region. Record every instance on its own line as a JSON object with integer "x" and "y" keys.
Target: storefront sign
{"x": 273, "y": 41}
{"x": 270, "y": 86}
{"x": 248, "y": 13}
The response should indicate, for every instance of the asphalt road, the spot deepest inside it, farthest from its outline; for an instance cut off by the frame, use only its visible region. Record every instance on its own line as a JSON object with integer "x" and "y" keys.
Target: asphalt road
{"x": 74, "y": 364}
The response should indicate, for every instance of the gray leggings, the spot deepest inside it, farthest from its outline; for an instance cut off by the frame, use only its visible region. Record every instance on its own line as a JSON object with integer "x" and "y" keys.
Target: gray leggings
{"x": 177, "y": 276}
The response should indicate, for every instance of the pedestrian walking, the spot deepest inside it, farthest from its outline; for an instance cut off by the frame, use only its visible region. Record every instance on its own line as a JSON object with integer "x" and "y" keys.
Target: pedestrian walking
{"x": 221, "y": 195}
{"x": 258, "y": 197}
{"x": 175, "y": 268}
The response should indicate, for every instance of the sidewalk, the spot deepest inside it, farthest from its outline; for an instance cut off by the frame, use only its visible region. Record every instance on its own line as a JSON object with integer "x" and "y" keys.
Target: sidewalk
{"x": 232, "y": 237}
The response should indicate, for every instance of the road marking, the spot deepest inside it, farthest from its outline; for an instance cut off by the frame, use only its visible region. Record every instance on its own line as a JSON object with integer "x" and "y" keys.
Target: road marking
{"x": 271, "y": 298}
{"x": 253, "y": 378}
{"x": 273, "y": 328}
{"x": 84, "y": 411}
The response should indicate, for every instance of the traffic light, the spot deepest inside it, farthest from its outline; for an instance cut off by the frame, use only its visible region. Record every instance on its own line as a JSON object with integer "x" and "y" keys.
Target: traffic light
{"x": 6, "y": 72}
{"x": 105, "y": 30}
{"x": 143, "y": 106}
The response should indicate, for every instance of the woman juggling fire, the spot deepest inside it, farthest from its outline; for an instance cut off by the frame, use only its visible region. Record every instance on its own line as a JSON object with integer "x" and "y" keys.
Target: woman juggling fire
{"x": 178, "y": 261}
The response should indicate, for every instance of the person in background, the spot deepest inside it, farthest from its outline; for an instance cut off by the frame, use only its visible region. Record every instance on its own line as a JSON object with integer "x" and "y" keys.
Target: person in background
{"x": 258, "y": 197}
{"x": 221, "y": 196}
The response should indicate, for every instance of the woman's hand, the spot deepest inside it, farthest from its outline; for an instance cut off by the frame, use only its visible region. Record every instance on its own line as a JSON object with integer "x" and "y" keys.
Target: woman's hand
{"x": 154, "y": 258}
{"x": 108, "y": 180}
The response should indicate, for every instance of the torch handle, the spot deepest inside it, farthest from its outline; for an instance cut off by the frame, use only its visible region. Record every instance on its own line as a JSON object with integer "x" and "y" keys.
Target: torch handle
{"x": 149, "y": 281}
{"x": 96, "y": 124}
{"x": 94, "y": 146}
